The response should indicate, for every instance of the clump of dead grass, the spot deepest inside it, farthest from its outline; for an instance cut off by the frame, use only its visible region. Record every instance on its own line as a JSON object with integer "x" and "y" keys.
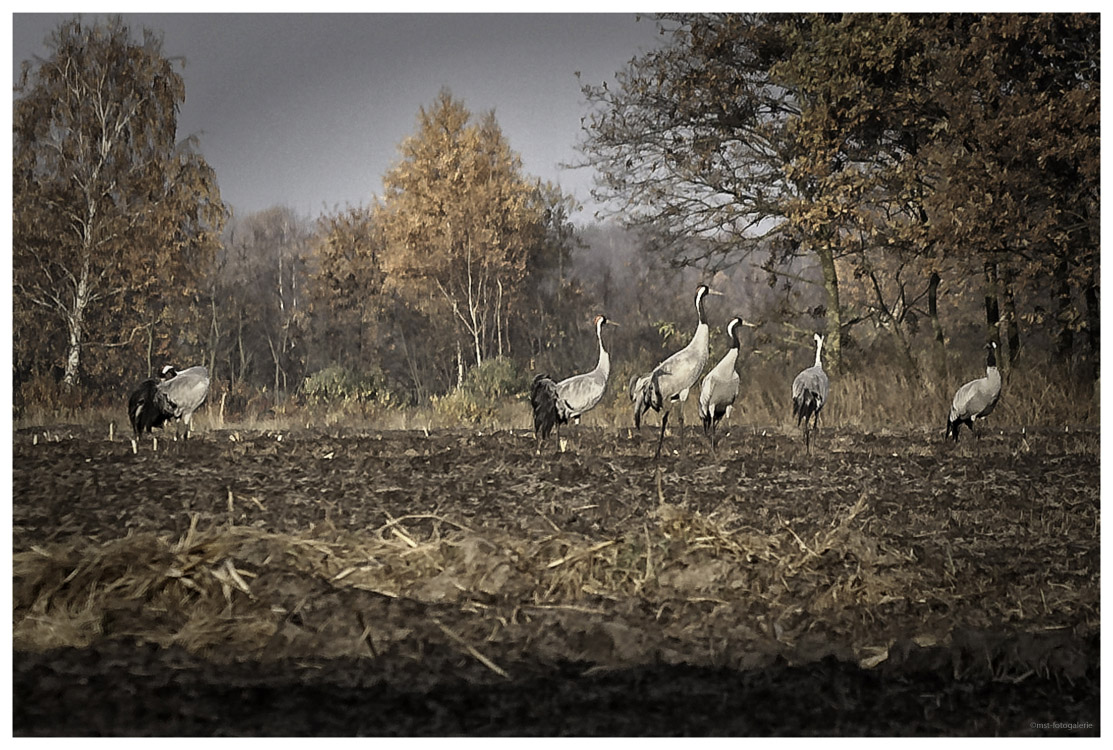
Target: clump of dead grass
{"x": 226, "y": 589}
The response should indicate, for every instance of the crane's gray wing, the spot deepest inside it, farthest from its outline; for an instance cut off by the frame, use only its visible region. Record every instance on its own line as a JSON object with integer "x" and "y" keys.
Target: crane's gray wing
{"x": 809, "y": 392}
{"x": 717, "y": 394}
{"x": 645, "y": 392}
{"x": 680, "y": 372}
{"x": 582, "y": 392}
{"x": 812, "y": 379}
{"x": 182, "y": 394}
{"x": 798, "y": 385}
{"x": 975, "y": 399}
{"x": 823, "y": 386}
{"x": 960, "y": 404}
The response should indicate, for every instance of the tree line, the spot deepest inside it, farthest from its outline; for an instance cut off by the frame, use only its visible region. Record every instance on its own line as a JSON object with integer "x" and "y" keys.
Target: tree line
{"x": 903, "y": 154}
{"x": 876, "y": 176}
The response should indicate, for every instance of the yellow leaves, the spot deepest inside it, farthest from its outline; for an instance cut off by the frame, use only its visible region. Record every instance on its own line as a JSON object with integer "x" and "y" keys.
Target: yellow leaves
{"x": 102, "y": 184}
{"x": 458, "y": 200}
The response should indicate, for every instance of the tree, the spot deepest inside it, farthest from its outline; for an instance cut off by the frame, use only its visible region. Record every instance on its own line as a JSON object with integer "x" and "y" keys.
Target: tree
{"x": 550, "y": 300}
{"x": 457, "y": 217}
{"x": 953, "y": 133}
{"x": 696, "y": 144}
{"x": 347, "y": 282}
{"x": 258, "y": 289}
{"x": 874, "y": 143}
{"x": 109, "y": 211}
{"x": 1017, "y": 170}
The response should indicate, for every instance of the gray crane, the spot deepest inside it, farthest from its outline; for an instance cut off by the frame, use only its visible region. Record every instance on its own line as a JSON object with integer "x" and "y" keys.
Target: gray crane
{"x": 555, "y": 403}
{"x": 672, "y": 379}
{"x": 976, "y": 399}
{"x": 809, "y": 393}
{"x": 181, "y": 393}
{"x": 720, "y": 386}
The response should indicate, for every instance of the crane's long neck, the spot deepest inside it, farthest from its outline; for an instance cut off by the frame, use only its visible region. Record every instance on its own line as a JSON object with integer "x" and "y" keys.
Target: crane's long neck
{"x": 700, "y": 295}
{"x": 992, "y": 374}
{"x": 818, "y": 349}
{"x": 604, "y": 364}
{"x": 701, "y": 341}
{"x": 729, "y": 359}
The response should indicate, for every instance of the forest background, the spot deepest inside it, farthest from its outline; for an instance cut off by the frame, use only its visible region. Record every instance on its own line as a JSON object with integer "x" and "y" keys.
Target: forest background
{"x": 911, "y": 186}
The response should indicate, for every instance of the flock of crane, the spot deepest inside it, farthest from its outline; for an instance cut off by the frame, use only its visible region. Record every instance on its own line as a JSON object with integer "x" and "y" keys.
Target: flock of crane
{"x": 555, "y": 403}
{"x": 176, "y": 395}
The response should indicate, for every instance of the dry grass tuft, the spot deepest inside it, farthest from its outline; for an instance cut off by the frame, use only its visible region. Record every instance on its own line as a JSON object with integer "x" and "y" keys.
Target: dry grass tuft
{"x": 238, "y": 592}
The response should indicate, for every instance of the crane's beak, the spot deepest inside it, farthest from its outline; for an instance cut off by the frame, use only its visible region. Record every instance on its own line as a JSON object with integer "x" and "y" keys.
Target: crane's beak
{"x": 712, "y": 291}
{"x": 612, "y": 323}
{"x": 748, "y": 324}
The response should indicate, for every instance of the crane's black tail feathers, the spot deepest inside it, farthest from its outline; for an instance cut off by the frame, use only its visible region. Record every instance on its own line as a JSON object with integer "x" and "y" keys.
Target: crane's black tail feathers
{"x": 546, "y": 404}
{"x": 646, "y": 396}
{"x": 712, "y": 418}
{"x": 144, "y": 409}
{"x": 805, "y": 406}
{"x": 138, "y": 405}
{"x": 166, "y": 407}
{"x": 953, "y": 426}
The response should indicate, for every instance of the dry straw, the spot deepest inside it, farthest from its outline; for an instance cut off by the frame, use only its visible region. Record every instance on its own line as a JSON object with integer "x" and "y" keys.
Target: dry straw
{"x": 230, "y": 592}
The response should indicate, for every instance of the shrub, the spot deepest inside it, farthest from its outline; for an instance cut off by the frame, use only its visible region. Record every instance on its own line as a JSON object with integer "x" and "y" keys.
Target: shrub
{"x": 336, "y": 384}
{"x": 486, "y": 389}
{"x": 42, "y": 399}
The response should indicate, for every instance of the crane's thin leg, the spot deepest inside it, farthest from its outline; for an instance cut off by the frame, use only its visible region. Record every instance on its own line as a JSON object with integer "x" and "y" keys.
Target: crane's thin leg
{"x": 660, "y": 440}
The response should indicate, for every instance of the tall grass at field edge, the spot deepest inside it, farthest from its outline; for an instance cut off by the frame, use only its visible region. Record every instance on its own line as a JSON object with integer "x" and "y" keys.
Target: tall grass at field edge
{"x": 880, "y": 400}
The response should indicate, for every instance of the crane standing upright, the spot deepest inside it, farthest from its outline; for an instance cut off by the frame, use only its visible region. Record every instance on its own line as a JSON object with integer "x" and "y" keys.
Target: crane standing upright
{"x": 555, "y": 403}
{"x": 976, "y": 399}
{"x": 809, "y": 393}
{"x": 720, "y": 386}
{"x": 672, "y": 379}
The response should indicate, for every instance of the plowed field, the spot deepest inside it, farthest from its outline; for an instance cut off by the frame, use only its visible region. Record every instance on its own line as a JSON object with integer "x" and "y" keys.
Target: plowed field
{"x": 332, "y": 582}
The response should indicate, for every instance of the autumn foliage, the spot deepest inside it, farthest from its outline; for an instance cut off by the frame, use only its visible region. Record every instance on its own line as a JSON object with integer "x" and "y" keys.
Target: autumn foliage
{"x": 912, "y": 184}
{"x": 910, "y": 156}
{"x": 114, "y": 221}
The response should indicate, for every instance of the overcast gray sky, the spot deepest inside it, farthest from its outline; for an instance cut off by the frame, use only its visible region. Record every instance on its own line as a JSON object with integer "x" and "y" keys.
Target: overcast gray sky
{"x": 308, "y": 110}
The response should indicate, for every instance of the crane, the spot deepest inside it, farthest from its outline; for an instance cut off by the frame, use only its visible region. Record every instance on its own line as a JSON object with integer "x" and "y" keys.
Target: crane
{"x": 555, "y": 403}
{"x": 809, "y": 393}
{"x": 672, "y": 379}
{"x": 720, "y": 386}
{"x": 976, "y": 399}
{"x": 180, "y": 394}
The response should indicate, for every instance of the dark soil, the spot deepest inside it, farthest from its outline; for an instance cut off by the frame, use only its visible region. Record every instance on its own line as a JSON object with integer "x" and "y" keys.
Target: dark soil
{"x": 992, "y": 630}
